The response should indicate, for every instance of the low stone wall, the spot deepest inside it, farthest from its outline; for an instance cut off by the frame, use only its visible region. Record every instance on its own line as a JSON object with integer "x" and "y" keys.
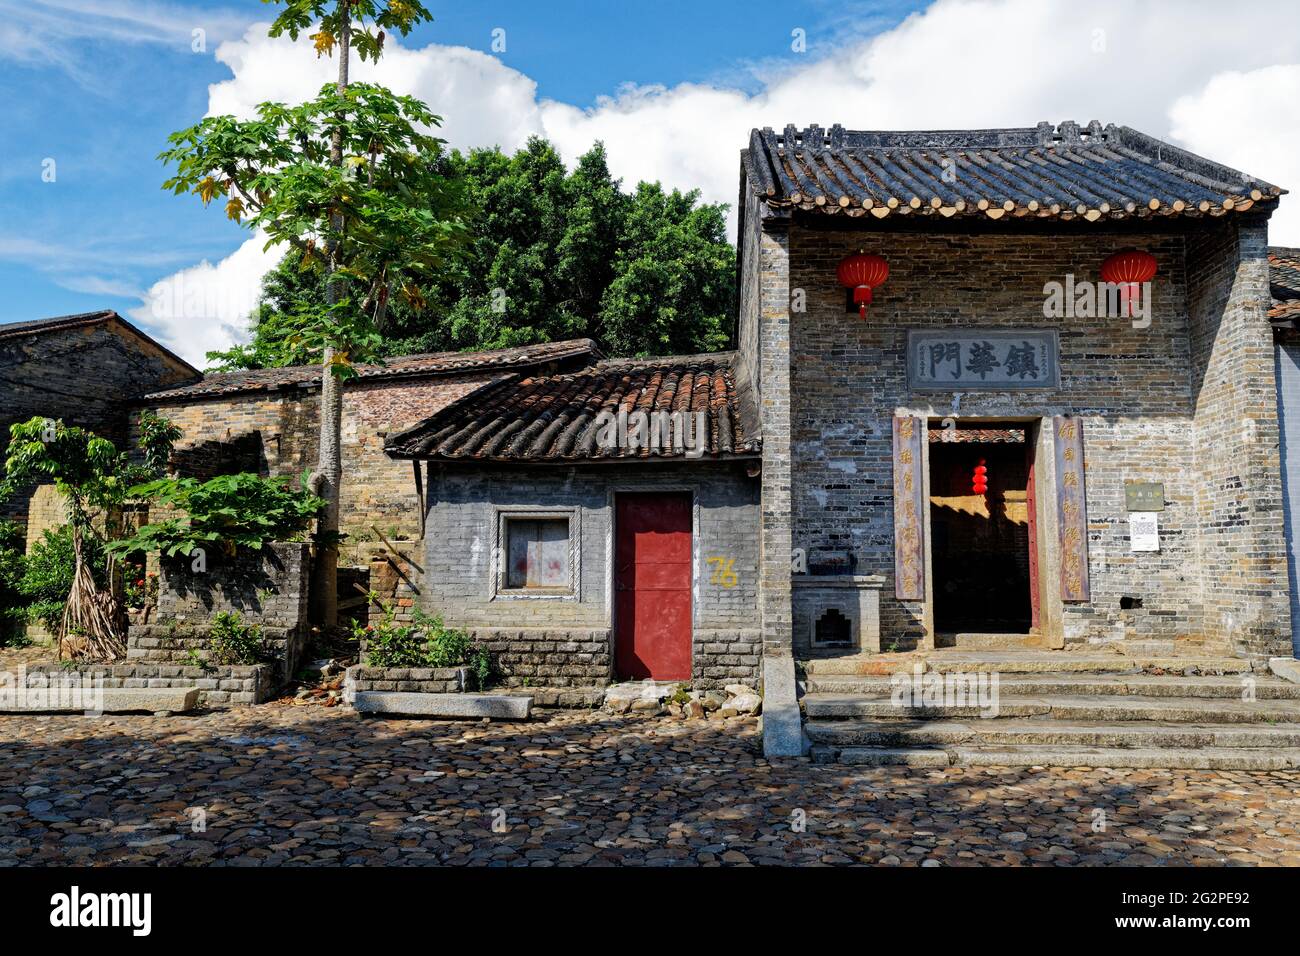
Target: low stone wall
{"x": 227, "y": 686}
{"x": 727, "y": 657}
{"x": 175, "y": 643}
{"x": 551, "y": 657}
{"x": 412, "y": 680}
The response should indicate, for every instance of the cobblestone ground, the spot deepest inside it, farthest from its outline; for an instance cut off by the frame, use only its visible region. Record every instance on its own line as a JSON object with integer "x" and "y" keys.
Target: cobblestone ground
{"x": 281, "y": 784}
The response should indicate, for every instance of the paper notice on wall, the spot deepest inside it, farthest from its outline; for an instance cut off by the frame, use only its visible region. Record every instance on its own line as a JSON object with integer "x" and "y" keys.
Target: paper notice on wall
{"x": 1144, "y": 531}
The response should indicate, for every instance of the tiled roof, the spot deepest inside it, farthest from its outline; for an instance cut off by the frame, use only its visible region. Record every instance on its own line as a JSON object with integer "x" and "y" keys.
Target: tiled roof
{"x": 558, "y": 417}
{"x": 407, "y": 366}
{"x": 1284, "y": 287}
{"x": 61, "y": 323}
{"x": 1091, "y": 172}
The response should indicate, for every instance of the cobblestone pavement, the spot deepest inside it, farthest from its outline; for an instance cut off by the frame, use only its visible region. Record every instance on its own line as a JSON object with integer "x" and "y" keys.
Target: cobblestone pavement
{"x": 285, "y": 784}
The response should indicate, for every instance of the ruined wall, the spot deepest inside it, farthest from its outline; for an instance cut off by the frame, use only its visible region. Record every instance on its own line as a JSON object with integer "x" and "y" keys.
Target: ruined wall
{"x": 278, "y": 433}
{"x": 1134, "y": 388}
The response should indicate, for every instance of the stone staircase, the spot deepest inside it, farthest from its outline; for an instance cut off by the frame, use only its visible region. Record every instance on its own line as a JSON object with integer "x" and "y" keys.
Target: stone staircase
{"x": 1051, "y": 709}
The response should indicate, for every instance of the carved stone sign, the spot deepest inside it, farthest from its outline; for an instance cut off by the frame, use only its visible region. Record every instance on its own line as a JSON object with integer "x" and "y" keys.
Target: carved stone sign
{"x": 1071, "y": 508}
{"x": 966, "y": 360}
{"x": 909, "y": 513}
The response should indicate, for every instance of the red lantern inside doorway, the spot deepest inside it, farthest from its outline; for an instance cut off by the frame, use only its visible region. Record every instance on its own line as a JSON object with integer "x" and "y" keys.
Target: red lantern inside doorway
{"x": 979, "y": 483}
{"x": 862, "y": 273}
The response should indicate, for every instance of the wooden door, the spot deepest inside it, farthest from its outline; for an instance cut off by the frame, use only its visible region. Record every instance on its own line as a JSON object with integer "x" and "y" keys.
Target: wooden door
{"x": 652, "y": 586}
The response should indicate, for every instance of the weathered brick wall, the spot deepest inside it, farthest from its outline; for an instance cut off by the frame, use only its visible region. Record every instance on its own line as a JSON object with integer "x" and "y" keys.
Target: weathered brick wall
{"x": 1236, "y": 460}
{"x": 84, "y": 376}
{"x": 267, "y": 588}
{"x": 278, "y": 433}
{"x": 1138, "y": 391}
{"x": 567, "y": 641}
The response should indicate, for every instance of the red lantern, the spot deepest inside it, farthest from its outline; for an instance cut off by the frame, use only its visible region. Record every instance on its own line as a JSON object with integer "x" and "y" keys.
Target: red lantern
{"x": 1129, "y": 269}
{"x": 862, "y": 273}
{"x": 980, "y": 479}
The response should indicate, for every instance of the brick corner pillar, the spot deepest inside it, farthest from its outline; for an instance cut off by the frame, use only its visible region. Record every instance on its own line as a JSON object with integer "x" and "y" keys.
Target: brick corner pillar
{"x": 1238, "y": 463}
{"x": 782, "y": 725}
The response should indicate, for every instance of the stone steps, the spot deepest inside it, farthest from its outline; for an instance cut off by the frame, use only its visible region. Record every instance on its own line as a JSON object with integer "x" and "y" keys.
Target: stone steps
{"x": 974, "y": 642}
{"x": 1061, "y": 707}
{"x": 1043, "y": 685}
{"x": 1057, "y": 709}
{"x": 1017, "y": 732}
{"x": 1030, "y": 756}
{"x": 1023, "y": 662}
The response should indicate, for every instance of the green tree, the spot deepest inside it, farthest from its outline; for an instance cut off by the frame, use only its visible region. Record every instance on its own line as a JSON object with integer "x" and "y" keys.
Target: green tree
{"x": 92, "y": 476}
{"x": 550, "y": 255}
{"x": 351, "y": 181}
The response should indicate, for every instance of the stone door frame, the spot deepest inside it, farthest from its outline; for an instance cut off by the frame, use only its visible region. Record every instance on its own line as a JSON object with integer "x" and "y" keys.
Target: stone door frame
{"x": 1039, "y": 432}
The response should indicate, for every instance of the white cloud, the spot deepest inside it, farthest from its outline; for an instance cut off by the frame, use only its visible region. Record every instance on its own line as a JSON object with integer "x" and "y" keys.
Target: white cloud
{"x": 1250, "y": 121}
{"x": 207, "y": 307}
{"x": 1165, "y": 67}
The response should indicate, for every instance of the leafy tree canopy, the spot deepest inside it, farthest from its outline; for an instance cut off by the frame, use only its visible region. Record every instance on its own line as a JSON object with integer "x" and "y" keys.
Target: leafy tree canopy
{"x": 550, "y": 255}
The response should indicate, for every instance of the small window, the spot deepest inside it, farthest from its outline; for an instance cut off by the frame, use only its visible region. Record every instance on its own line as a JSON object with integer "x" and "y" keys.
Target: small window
{"x": 537, "y": 554}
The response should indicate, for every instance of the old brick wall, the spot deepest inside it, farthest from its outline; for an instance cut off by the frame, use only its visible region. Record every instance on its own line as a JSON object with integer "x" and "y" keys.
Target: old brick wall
{"x": 1135, "y": 389}
{"x": 1236, "y": 460}
{"x": 84, "y": 376}
{"x": 278, "y": 433}
{"x": 568, "y": 640}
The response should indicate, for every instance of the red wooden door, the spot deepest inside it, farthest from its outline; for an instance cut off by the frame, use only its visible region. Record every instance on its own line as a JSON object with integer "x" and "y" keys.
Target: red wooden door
{"x": 1031, "y": 505}
{"x": 652, "y": 586}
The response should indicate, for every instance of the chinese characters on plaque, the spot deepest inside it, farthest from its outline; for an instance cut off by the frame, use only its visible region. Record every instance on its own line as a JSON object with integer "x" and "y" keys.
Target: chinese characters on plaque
{"x": 1071, "y": 510}
{"x": 909, "y": 544}
{"x": 982, "y": 359}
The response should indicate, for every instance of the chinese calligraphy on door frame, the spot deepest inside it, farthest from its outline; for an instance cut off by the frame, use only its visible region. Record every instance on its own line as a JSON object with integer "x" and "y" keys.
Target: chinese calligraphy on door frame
{"x": 1071, "y": 507}
{"x": 909, "y": 512}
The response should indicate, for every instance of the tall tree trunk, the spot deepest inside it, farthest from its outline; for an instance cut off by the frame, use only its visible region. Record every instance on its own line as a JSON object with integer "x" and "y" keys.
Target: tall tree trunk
{"x": 329, "y": 467}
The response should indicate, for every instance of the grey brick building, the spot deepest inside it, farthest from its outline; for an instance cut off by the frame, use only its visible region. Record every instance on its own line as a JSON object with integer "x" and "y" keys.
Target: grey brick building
{"x": 1006, "y": 447}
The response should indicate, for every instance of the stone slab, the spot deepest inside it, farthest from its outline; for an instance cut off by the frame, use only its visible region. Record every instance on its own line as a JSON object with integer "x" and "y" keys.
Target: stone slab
{"x": 1288, "y": 668}
{"x": 117, "y": 700}
{"x": 1165, "y": 759}
{"x": 467, "y": 706}
{"x": 783, "y": 734}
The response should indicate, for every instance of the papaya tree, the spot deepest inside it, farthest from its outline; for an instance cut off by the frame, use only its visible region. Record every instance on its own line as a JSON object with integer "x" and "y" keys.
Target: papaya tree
{"x": 353, "y": 181}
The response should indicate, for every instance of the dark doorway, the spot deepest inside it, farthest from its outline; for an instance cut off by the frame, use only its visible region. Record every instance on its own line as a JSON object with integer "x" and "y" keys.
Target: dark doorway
{"x": 981, "y": 531}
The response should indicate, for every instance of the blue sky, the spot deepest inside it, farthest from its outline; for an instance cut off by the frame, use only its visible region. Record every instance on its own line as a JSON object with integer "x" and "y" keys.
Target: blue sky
{"x": 100, "y": 105}
{"x": 95, "y": 86}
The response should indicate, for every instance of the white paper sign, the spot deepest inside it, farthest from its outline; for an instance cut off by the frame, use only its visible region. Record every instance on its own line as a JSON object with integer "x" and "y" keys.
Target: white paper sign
{"x": 1144, "y": 530}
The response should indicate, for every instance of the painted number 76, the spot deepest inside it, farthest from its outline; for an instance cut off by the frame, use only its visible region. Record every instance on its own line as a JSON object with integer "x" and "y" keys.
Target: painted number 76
{"x": 724, "y": 572}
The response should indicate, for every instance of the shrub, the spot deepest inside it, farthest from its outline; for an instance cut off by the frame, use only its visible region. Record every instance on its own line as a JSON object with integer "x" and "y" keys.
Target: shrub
{"x": 229, "y": 512}
{"x": 231, "y": 641}
{"x": 48, "y": 571}
{"x": 13, "y": 606}
{"x": 425, "y": 642}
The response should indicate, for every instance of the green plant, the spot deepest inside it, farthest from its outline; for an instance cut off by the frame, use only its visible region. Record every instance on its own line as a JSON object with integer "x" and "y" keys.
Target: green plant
{"x": 231, "y": 641}
{"x": 425, "y": 642}
{"x": 13, "y": 606}
{"x": 48, "y": 573}
{"x": 139, "y": 587}
{"x": 228, "y": 512}
{"x": 681, "y": 696}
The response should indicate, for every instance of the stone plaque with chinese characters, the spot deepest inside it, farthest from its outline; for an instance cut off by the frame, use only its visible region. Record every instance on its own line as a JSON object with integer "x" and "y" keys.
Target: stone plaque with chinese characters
{"x": 1071, "y": 508}
{"x": 966, "y": 360}
{"x": 909, "y": 511}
